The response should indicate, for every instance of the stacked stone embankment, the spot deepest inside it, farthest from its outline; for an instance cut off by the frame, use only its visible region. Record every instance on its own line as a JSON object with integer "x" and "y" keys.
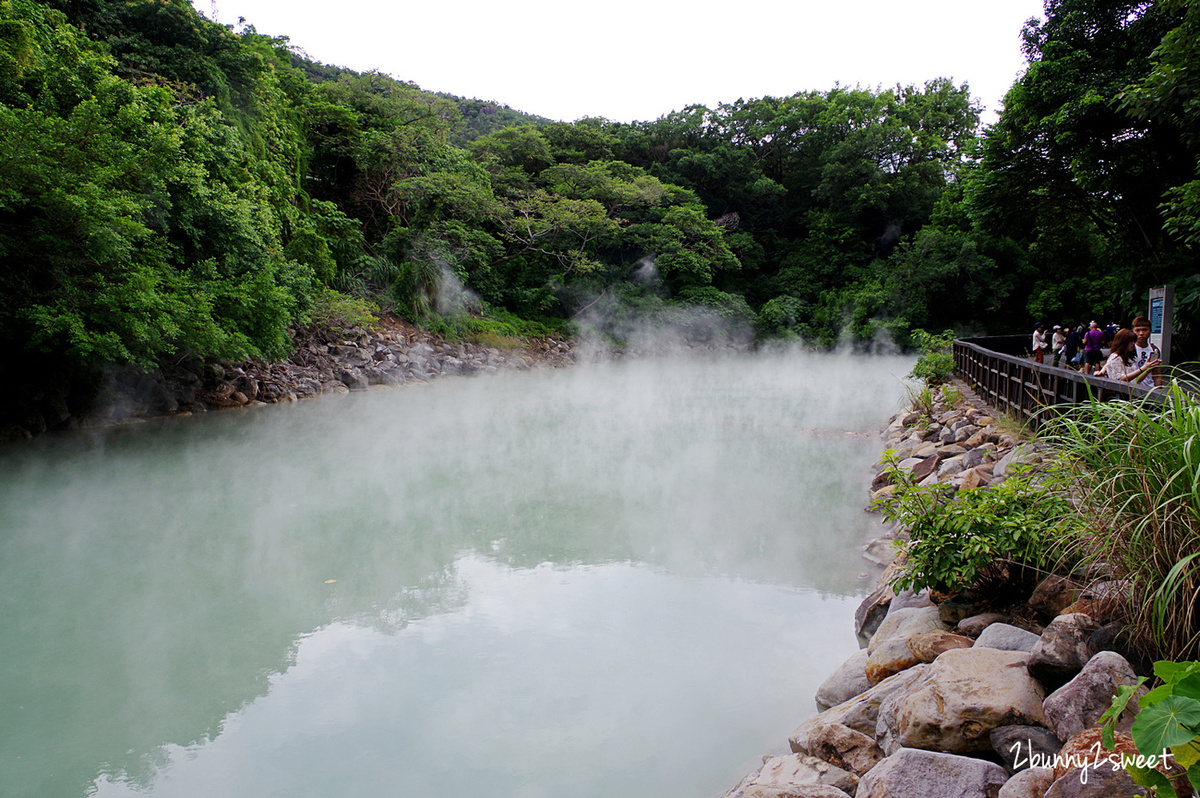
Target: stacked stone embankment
{"x": 948, "y": 699}
{"x": 325, "y": 361}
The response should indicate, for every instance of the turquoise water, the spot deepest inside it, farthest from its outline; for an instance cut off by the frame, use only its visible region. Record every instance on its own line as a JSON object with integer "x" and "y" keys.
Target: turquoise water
{"x": 615, "y": 579}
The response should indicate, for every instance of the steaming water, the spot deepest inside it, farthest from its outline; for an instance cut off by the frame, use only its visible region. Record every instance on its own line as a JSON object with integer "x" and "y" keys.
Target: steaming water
{"x": 624, "y": 579}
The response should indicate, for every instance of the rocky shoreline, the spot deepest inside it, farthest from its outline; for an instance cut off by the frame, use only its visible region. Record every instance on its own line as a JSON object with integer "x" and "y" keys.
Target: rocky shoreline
{"x": 325, "y": 361}
{"x": 951, "y": 700}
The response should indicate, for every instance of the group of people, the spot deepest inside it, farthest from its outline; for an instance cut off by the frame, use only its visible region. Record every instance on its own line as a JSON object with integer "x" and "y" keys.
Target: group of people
{"x": 1132, "y": 357}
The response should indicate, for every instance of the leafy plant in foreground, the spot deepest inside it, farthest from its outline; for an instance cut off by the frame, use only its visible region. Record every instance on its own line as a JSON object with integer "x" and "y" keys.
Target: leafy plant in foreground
{"x": 958, "y": 538}
{"x": 1166, "y": 728}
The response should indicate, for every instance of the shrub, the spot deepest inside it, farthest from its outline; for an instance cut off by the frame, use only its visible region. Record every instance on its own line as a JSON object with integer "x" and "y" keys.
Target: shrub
{"x": 959, "y": 538}
{"x": 935, "y": 366}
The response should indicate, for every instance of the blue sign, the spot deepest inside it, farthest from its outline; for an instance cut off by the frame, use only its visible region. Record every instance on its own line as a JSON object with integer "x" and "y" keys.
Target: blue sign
{"x": 1156, "y": 315}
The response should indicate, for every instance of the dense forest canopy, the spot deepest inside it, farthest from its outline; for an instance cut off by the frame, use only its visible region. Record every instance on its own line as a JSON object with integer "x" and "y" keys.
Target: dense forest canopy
{"x": 171, "y": 188}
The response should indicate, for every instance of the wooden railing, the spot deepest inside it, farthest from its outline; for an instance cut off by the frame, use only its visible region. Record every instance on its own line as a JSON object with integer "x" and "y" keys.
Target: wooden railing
{"x": 998, "y": 369}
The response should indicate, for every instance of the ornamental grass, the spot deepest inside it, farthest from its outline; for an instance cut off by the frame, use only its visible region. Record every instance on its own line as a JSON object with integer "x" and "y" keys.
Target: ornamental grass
{"x": 1133, "y": 467}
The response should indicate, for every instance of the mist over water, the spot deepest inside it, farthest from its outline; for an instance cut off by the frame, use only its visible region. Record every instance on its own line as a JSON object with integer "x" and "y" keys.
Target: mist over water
{"x": 621, "y": 578}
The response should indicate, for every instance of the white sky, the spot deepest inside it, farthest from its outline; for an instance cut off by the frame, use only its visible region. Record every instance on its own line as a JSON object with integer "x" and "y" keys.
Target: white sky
{"x": 628, "y": 60}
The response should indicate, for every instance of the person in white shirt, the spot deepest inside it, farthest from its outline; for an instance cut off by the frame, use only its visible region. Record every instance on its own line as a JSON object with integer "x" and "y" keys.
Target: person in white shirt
{"x": 1058, "y": 343}
{"x": 1039, "y": 342}
{"x": 1120, "y": 360}
{"x": 1144, "y": 352}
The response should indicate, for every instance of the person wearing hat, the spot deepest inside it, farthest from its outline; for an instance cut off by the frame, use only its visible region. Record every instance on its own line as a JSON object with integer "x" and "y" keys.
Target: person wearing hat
{"x": 1058, "y": 343}
{"x": 1039, "y": 343}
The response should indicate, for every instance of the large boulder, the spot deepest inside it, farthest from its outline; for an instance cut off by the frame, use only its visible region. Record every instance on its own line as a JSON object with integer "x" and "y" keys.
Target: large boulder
{"x": 795, "y": 776}
{"x": 888, "y": 652}
{"x": 860, "y": 713}
{"x": 844, "y": 747}
{"x": 1063, "y": 649}
{"x": 1079, "y": 703}
{"x": 911, "y": 773}
{"x": 849, "y": 680}
{"x": 963, "y": 695}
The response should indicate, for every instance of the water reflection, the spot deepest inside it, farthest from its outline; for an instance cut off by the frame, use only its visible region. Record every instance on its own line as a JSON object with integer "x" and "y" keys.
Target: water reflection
{"x": 534, "y": 582}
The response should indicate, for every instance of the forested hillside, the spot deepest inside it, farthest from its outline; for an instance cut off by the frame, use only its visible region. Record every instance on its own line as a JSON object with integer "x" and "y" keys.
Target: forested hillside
{"x": 169, "y": 189}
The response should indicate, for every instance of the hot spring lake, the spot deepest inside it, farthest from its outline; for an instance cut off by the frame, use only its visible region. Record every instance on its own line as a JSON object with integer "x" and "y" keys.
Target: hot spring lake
{"x": 618, "y": 579}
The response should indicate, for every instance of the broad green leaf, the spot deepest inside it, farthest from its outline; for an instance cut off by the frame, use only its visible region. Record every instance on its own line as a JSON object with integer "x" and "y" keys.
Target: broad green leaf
{"x": 1189, "y": 686}
{"x": 1148, "y": 778}
{"x": 1187, "y": 754}
{"x": 1170, "y": 722}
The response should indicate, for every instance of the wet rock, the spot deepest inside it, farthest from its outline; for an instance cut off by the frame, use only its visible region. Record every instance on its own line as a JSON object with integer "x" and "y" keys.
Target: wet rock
{"x": 911, "y": 773}
{"x": 962, "y": 696}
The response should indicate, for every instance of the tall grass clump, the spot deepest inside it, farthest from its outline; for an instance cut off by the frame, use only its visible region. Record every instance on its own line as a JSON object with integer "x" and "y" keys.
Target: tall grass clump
{"x": 1134, "y": 469}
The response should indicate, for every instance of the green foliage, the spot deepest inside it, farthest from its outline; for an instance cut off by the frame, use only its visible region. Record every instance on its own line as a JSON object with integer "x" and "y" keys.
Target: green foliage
{"x": 1168, "y": 723}
{"x": 339, "y": 311}
{"x": 1135, "y": 468}
{"x": 959, "y": 538}
{"x": 935, "y": 366}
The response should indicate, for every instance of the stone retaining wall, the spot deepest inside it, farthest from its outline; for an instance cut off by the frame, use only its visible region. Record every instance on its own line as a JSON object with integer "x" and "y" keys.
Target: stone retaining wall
{"x": 953, "y": 701}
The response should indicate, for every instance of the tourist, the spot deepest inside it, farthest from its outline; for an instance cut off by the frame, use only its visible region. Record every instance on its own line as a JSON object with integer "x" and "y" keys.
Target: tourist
{"x": 1039, "y": 342}
{"x": 1144, "y": 352}
{"x": 1120, "y": 364}
{"x": 1071, "y": 347}
{"x": 1093, "y": 340}
{"x": 1058, "y": 343}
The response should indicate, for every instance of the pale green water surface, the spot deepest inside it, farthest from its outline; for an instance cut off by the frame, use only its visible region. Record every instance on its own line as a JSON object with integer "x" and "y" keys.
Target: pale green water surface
{"x": 622, "y": 579}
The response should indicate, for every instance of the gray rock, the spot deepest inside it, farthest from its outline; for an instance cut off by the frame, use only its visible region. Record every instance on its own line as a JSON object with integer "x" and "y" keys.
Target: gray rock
{"x": 912, "y": 773}
{"x": 1022, "y": 455}
{"x": 1029, "y": 783}
{"x": 909, "y": 599}
{"x": 1021, "y": 746}
{"x": 957, "y": 702}
{"x": 888, "y": 651}
{"x": 1063, "y": 649}
{"x": 849, "y": 680}
{"x": 1079, "y": 703}
{"x": 795, "y": 776}
{"x": 1100, "y": 781}
{"x": 1007, "y": 638}
{"x": 874, "y": 608}
{"x": 860, "y": 713}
